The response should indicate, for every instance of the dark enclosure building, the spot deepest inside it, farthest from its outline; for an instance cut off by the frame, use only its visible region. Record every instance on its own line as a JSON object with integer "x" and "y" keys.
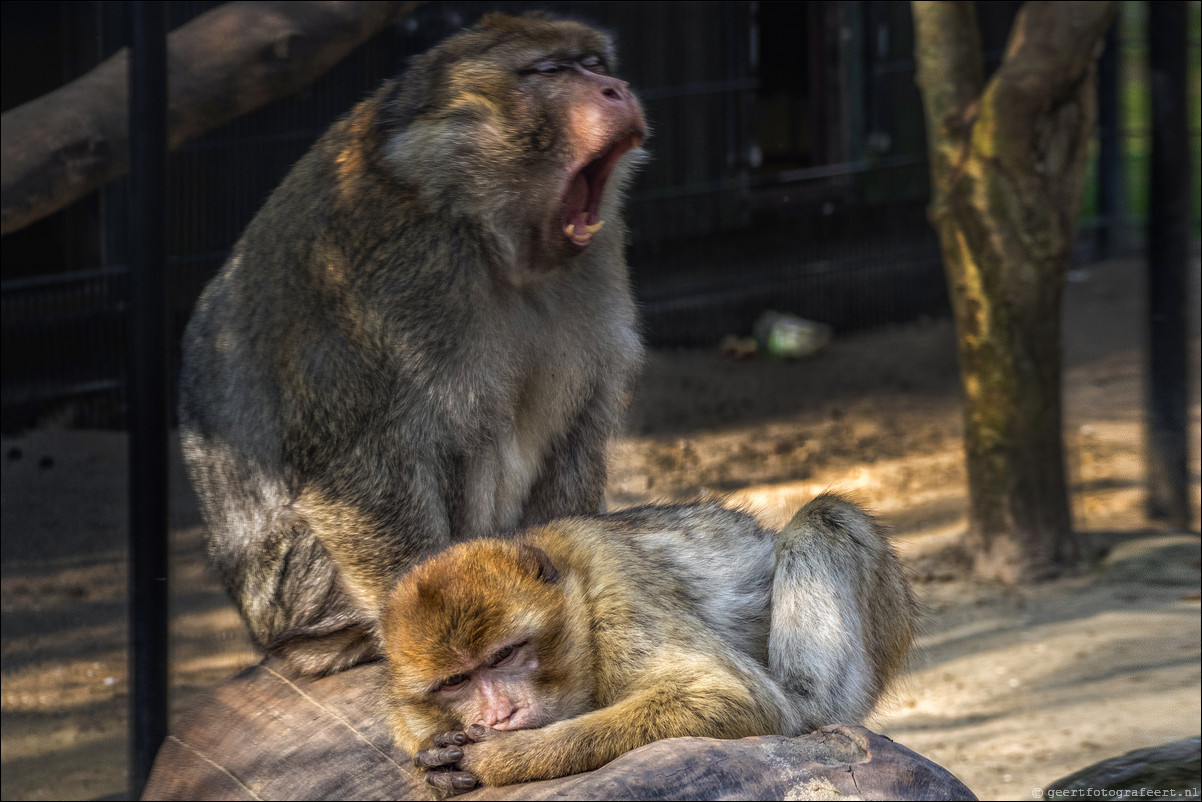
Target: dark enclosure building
{"x": 788, "y": 172}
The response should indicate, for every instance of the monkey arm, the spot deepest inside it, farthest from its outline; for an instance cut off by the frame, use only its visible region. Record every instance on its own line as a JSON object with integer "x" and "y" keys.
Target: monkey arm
{"x": 683, "y": 695}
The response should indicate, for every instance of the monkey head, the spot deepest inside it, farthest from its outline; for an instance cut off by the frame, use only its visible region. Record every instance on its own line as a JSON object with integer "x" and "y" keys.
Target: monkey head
{"x": 480, "y": 635}
{"x": 517, "y": 126}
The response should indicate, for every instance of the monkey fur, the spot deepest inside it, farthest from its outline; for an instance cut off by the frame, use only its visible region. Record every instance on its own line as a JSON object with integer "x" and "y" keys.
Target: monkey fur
{"x": 585, "y": 638}
{"x": 424, "y": 335}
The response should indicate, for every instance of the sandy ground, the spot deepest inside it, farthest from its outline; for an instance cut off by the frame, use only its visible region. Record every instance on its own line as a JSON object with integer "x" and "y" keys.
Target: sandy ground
{"x": 1010, "y": 688}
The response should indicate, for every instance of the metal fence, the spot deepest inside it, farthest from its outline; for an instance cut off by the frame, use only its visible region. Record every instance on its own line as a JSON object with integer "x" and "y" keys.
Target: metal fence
{"x": 788, "y": 171}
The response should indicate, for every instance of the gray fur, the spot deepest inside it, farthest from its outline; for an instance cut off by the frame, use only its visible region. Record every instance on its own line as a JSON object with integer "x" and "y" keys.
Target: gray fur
{"x": 817, "y": 617}
{"x": 843, "y": 613}
{"x": 380, "y": 370}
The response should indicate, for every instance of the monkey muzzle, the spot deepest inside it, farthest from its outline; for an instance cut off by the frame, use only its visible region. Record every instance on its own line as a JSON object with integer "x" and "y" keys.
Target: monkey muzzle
{"x": 582, "y": 201}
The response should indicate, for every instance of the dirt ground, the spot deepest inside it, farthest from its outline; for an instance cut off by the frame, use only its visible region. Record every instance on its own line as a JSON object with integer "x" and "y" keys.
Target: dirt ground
{"x": 1010, "y": 688}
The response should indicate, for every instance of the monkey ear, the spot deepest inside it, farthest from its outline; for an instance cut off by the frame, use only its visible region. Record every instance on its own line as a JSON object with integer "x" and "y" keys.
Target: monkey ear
{"x": 536, "y": 561}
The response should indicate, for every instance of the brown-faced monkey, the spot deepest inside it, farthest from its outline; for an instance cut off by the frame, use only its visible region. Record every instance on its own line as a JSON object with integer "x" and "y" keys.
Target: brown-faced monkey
{"x": 424, "y": 335}
{"x": 585, "y": 638}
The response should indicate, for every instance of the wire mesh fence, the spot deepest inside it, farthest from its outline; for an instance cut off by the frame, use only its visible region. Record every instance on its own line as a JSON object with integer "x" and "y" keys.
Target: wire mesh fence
{"x": 788, "y": 171}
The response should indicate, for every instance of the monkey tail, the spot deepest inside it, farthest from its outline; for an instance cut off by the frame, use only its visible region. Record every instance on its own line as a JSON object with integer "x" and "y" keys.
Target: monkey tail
{"x": 838, "y": 591}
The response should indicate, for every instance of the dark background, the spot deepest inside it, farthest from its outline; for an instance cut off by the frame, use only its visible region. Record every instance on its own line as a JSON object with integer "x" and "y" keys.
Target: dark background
{"x": 788, "y": 171}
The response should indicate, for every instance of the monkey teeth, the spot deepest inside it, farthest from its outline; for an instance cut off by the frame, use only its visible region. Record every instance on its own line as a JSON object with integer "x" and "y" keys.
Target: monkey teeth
{"x": 582, "y": 234}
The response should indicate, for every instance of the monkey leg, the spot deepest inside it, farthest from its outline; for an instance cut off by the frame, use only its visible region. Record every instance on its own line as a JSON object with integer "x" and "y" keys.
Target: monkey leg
{"x": 842, "y": 613}
{"x": 290, "y": 594}
{"x": 321, "y": 630}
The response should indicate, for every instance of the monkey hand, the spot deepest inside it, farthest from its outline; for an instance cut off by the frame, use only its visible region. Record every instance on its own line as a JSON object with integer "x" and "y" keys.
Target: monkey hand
{"x": 440, "y": 764}
{"x": 499, "y": 757}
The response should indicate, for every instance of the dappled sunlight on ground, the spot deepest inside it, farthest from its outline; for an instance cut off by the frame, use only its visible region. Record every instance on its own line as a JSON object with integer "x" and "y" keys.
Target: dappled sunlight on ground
{"x": 1010, "y": 688}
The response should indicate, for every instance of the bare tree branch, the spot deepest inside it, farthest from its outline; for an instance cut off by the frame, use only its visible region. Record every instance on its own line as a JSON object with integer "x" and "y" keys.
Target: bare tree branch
{"x": 224, "y": 63}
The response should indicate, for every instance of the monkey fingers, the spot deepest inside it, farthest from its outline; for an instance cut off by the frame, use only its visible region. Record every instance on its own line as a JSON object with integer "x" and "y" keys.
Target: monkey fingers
{"x": 440, "y": 762}
{"x": 477, "y": 733}
{"x": 449, "y": 781}
{"x": 438, "y": 757}
{"x": 457, "y": 738}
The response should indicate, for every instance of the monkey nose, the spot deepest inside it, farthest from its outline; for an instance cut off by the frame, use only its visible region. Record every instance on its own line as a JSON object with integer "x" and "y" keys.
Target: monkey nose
{"x": 615, "y": 89}
{"x": 498, "y": 720}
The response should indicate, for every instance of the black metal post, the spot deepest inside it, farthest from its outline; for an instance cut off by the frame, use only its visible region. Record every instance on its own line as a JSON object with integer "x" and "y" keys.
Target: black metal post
{"x": 1168, "y": 254}
{"x": 1109, "y": 223}
{"x": 147, "y": 391}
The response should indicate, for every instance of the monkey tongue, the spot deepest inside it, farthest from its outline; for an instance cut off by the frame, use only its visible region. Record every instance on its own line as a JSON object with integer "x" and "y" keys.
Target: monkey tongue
{"x": 580, "y": 232}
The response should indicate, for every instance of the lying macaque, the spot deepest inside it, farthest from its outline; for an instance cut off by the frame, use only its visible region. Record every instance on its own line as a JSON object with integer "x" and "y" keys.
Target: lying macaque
{"x": 582, "y": 639}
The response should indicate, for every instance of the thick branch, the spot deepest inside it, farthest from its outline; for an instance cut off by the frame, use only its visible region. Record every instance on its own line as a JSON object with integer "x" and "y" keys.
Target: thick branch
{"x": 1052, "y": 53}
{"x": 224, "y": 63}
{"x": 950, "y": 75}
{"x": 1051, "y": 48}
{"x": 1034, "y": 123}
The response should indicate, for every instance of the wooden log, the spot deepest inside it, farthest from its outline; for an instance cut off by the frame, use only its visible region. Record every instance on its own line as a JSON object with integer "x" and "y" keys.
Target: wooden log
{"x": 262, "y": 735}
{"x": 226, "y": 62}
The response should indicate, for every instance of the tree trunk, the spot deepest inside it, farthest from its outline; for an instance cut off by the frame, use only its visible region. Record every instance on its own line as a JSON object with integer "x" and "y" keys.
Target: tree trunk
{"x": 1008, "y": 163}
{"x": 224, "y": 63}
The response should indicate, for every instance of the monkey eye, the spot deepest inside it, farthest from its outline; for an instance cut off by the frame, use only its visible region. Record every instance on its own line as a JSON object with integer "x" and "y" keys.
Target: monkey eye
{"x": 594, "y": 64}
{"x": 503, "y": 655}
{"x": 453, "y": 682}
{"x": 546, "y": 67}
